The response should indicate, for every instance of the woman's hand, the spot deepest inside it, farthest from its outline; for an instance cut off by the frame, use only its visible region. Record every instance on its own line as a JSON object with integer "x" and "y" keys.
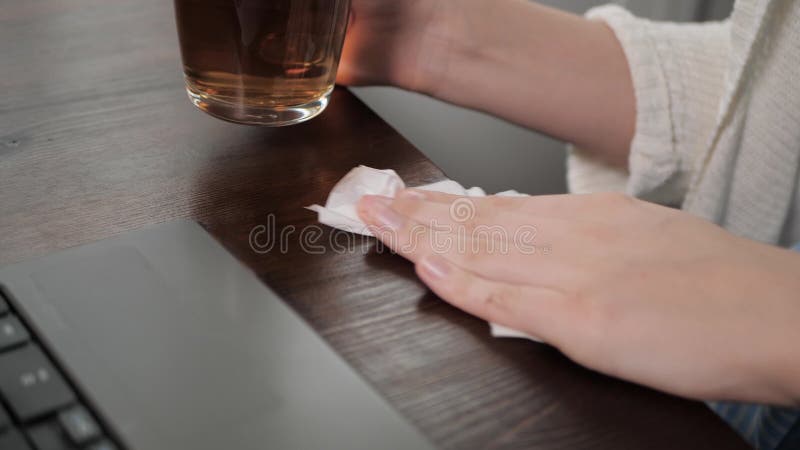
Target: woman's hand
{"x": 631, "y": 289}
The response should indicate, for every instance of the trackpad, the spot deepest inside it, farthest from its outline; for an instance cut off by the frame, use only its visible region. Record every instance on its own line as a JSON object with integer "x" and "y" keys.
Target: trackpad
{"x": 179, "y": 346}
{"x": 170, "y": 358}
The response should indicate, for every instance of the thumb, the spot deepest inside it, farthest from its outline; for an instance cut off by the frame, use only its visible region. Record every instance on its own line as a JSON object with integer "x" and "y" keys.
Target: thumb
{"x": 534, "y": 310}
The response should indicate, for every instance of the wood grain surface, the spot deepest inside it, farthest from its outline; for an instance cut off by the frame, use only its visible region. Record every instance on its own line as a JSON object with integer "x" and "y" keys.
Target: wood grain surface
{"x": 97, "y": 138}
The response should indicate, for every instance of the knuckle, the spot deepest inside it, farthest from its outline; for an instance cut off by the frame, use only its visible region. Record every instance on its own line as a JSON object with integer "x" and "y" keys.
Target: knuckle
{"x": 498, "y": 301}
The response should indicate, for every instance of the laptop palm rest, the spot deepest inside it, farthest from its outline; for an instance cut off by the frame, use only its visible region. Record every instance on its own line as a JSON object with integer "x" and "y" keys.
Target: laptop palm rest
{"x": 179, "y": 346}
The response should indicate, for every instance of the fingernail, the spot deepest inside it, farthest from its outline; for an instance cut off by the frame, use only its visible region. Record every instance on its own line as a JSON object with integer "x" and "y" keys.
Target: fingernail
{"x": 412, "y": 194}
{"x": 385, "y": 216}
{"x": 436, "y": 266}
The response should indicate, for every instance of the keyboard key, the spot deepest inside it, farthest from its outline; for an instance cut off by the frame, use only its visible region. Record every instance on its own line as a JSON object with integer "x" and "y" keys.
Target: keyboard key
{"x": 105, "y": 444}
{"x": 5, "y": 421}
{"x": 13, "y": 440}
{"x": 31, "y": 385}
{"x": 49, "y": 436}
{"x": 12, "y": 332}
{"x": 79, "y": 425}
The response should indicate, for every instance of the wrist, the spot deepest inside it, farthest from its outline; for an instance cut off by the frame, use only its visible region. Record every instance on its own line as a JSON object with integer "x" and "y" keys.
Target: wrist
{"x": 457, "y": 46}
{"x": 420, "y": 59}
{"x": 774, "y": 358}
{"x": 785, "y": 360}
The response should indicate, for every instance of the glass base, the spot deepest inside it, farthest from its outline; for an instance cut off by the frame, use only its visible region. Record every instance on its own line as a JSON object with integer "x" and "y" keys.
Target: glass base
{"x": 265, "y": 116}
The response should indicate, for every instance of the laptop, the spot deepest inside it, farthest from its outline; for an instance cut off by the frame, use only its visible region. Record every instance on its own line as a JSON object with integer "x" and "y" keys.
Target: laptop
{"x": 160, "y": 339}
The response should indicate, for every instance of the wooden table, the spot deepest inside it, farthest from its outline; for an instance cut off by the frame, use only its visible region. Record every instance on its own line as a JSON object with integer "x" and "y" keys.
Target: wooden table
{"x": 97, "y": 138}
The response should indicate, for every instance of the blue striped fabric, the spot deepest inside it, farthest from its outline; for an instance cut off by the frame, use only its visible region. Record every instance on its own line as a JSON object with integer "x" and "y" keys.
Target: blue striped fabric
{"x": 765, "y": 427}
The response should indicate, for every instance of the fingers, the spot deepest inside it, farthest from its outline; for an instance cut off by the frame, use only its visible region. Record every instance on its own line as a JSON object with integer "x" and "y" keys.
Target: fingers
{"x": 504, "y": 259}
{"x": 536, "y": 311}
{"x": 604, "y": 207}
{"x": 460, "y": 218}
{"x": 518, "y": 253}
{"x": 479, "y": 218}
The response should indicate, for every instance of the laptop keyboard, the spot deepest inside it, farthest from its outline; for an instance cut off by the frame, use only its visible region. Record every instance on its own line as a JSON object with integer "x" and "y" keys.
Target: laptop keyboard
{"x": 39, "y": 408}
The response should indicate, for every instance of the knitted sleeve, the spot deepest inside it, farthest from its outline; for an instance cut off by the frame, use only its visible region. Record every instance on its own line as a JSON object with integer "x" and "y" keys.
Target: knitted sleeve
{"x": 678, "y": 73}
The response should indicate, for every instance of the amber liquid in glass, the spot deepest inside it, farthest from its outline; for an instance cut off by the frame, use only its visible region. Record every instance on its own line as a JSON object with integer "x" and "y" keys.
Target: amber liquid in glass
{"x": 267, "y": 62}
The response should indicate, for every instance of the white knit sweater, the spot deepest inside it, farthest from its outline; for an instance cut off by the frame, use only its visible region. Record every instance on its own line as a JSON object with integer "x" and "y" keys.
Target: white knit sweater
{"x": 718, "y": 118}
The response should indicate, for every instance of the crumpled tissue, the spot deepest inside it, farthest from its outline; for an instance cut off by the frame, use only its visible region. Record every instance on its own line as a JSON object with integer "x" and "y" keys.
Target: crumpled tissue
{"x": 340, "y": 209}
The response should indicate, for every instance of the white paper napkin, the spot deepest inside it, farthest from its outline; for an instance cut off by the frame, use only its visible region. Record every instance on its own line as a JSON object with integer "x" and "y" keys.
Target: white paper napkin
{"x": 340, "y": 209}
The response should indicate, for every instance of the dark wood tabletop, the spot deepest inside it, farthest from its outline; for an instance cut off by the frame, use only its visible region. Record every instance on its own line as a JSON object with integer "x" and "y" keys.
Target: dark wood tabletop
{"x": 97, "y": 138}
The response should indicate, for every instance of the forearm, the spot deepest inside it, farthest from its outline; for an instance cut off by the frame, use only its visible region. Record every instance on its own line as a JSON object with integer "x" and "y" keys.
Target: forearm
{"x": 535, "y": 66}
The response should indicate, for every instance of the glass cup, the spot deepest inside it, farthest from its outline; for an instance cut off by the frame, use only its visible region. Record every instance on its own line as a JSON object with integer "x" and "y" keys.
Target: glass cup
{"x": 261, "y": 62}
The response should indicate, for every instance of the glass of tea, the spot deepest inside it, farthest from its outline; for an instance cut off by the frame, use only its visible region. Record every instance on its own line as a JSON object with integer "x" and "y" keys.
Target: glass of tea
{"x": 261, "y": 62}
